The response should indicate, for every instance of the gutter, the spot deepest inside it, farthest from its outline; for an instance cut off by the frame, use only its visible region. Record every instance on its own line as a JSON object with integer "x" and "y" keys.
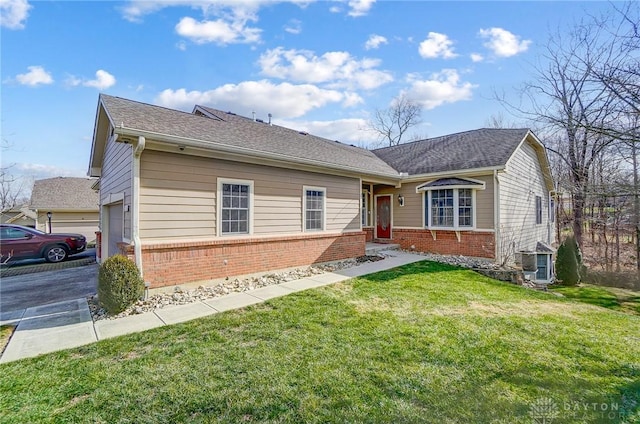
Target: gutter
{"x": 211, "y": 145}
{"x": 496, "y": 214}
{"x": 135, "y": 203}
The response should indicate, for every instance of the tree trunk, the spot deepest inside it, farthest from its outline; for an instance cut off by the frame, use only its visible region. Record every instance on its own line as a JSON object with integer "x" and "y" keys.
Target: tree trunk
{"x": 636, "y": 201}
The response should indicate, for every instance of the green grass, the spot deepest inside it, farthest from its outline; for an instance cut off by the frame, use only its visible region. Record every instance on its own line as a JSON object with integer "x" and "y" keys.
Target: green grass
{"x": 607, "y": 297}
{"x": 421, "y": 343}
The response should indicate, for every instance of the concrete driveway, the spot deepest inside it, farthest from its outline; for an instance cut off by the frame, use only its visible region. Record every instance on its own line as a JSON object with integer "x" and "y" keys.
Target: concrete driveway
{"x": 40, "y": 288}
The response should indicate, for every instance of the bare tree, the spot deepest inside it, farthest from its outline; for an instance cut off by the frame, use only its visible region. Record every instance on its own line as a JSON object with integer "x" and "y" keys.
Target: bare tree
{"x": 565, "y": 100}
{"x": 391, "y": 124}
{"x": 12, "y": 189}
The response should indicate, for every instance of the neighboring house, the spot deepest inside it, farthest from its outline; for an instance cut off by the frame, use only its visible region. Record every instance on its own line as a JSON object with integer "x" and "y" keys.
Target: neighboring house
{"x": 210, "y": 194}
{"x": 73, "y": 203}
{"x": 19, "y": 215}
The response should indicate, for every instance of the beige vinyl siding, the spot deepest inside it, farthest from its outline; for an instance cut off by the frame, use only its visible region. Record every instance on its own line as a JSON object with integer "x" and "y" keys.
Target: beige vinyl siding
{"x": 411, "y": 214}
{"x": 178, "y": 197}
{"x": 519, "y": 185}
{"x": 485, "y": 204}
{"x": 116, "y": 178}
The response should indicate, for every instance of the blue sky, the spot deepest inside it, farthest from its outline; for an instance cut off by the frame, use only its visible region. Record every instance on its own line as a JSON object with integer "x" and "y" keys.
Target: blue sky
{"x": 319, "y": 66}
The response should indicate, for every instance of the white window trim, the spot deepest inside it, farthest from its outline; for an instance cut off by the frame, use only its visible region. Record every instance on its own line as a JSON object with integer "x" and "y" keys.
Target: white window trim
{"x": 364, "y": 193}
{"x": 535, "y": 210}
{"x": 222, "y": 181}
{"x": 304, "y": 208}
{"x": 426, "y": 202}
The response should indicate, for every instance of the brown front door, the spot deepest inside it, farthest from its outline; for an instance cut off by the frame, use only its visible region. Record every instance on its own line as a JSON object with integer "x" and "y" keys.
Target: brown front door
{"x": 383, "y": 217}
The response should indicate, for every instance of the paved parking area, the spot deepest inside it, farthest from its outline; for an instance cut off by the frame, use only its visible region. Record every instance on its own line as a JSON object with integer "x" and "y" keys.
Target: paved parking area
{"x": 30, "y": 266}
{"x": 28, "y": 290}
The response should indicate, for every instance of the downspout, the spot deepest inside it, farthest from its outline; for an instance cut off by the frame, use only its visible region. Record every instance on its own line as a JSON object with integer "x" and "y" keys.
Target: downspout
{"x": 496, "y": 215}
{"x": 135, "y": 203}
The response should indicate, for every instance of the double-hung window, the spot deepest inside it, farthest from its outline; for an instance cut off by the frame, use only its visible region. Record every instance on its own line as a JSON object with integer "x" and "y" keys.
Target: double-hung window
{"x": 450, "y": 203}
{"x": 442, "y": 208}
{"x": 235, "y": 199}
{"x": 314, "y": 208}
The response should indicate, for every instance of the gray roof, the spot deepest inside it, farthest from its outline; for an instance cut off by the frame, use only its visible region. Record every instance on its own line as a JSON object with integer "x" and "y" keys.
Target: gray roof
{"x": 483, "y": 148}
{"x": 240, "y": 132}
{"x": 447, "y": 182}
{"x": 64, "y": 193}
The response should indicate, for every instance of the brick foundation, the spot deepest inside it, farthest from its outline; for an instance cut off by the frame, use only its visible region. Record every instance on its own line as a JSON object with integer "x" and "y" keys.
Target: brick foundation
{"x": 472, "y": 243}
{"x": 170, "y": 264}
{"x": 369, "y": 233}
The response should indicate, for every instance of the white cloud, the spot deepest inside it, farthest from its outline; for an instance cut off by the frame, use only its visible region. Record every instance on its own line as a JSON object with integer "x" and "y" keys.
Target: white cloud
{"x": 375, "y": 41}
{"x": 477, "y": 57}
{"x": 102, "y": 81}
{"x": 219, "y": 31}
{"x": 349, "y": 131}
{"x": 294, "y": 26}
{"x": 338, "y": 69}
{"x": 37, "y": 75}
{"x": 503, "y": 43}
{"x": 222, "y": 22}
{"x": 39, "y": 171}
{"x": 283, "y": 100}
{"x": 360, "y": 7}
{"x": 437, "y": 45}
{"x": 442, "y": 87}
{"x": 13, "y": 13}
{"x": 135, "y": 10}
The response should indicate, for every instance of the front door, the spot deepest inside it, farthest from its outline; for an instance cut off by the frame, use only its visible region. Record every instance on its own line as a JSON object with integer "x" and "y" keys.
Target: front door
{"x": 383, "y": 217}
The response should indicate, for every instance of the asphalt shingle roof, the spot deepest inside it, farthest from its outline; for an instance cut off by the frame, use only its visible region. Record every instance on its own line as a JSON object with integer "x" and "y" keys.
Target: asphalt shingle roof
{"x": 447, "y": 182}
{"x": 237, "y": 131}
{"x": 64, "y": 193}
{"x": 486, "y": 147}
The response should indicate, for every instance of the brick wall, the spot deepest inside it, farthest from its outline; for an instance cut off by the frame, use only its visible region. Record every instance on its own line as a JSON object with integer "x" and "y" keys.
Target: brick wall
{"x": 369, "y": 232}
{"x": 177, "y": 263}
{"x": 472, "y": 243}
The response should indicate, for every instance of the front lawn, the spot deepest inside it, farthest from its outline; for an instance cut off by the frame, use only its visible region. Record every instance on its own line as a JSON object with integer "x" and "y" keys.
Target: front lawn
{"x": 421, "y": 343}
{"x": 608, "y": 297}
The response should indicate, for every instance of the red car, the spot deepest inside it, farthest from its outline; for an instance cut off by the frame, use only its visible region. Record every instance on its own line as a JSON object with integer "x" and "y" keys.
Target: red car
{"x": 18, "y": 242}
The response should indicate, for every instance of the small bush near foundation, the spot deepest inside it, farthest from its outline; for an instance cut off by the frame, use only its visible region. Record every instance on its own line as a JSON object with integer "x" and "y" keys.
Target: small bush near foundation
{"x": 119, "y": 284}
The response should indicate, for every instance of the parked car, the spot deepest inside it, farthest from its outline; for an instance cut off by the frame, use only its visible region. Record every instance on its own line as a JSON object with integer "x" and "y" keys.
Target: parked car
{"x": 18, "y": 242}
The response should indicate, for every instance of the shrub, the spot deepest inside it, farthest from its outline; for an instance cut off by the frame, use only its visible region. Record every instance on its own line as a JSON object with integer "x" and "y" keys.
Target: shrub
{"x": 119, "y": 284}
{"x": 568, "y": 262}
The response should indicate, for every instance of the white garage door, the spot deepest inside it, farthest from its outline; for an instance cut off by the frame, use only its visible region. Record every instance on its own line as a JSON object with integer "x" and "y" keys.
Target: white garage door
{"x": 115, "y": 228}
{"x": 86, "y": 228}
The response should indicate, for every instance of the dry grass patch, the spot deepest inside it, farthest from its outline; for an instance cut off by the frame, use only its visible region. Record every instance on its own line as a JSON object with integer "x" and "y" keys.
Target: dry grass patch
{"x": 6, "y": 331}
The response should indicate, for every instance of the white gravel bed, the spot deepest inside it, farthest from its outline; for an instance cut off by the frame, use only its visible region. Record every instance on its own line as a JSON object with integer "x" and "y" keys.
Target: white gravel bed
{"x": 183, "y": 296}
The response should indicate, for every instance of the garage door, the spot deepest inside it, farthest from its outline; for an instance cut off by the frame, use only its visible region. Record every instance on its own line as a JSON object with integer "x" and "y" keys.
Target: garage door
{"x": 86, "y": 228}
{"x": 115, "y": 228}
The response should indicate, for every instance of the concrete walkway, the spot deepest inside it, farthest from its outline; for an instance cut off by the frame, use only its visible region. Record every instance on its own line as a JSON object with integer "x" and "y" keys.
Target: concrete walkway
{"x": 64, "y": 325}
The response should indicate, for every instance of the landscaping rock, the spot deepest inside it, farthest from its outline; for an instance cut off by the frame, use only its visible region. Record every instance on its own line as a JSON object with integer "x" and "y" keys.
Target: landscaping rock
{"x": 181, "y": 296}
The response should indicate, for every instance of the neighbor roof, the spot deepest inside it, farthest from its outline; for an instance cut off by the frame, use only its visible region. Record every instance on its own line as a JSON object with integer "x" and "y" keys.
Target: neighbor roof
{"x": 64, "y": 193}
{"x": 483, "y": 148}
{"x": 243, "y": 133}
